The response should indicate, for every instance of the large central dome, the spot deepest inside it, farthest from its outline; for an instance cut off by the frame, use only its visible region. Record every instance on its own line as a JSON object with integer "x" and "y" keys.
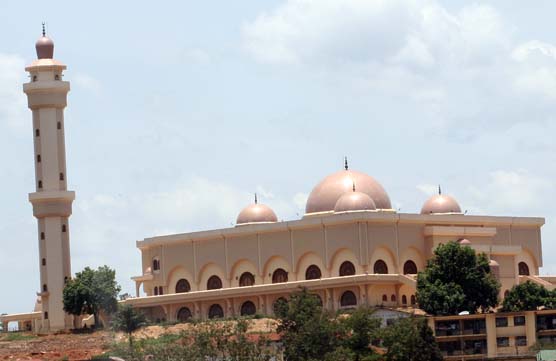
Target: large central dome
{"x": 324, "y": 196}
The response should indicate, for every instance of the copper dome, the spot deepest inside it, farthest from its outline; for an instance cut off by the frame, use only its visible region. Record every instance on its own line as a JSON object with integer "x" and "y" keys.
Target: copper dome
{"x": 441, "y": 204}
{"x": 354, "y": 201}
{"x": 464, "y": 242}
{"x": 256, "y": 213}
{"x": 324, "y": 196}
{"x": 45, "y": 48}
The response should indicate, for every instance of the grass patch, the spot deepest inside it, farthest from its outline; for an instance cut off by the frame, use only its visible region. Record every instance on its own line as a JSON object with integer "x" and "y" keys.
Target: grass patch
{"x": 15, "y": 336}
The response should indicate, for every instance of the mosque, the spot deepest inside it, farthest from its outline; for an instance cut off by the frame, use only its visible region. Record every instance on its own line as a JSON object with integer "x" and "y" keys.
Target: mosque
{"x": 350, "y": 247}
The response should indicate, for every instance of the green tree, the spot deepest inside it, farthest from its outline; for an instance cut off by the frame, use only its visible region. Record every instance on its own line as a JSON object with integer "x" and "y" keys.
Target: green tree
{"x": 127, "y": 319}
{"x": 307, "y": 332}
{"x": 361, "y": 330}
{"x": 527, "y": 296}
{"x": 410, "y": 339}
{"x": 456, "y": 279}
{"x": 92, "y": 291}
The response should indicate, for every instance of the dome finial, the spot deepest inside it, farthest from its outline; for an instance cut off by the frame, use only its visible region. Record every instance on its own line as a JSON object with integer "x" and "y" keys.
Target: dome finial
{"x": 353, "y": 183}
{"x": 346, "y": 163}
{"x": 256, "y": 200}
{"x": 43, "y": 29}
{"x": 439, "y": 190}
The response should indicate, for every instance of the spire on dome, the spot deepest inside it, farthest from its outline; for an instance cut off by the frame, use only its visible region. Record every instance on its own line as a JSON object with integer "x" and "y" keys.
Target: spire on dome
{"x": 346, "y": 163}
{"x": 439, "y": 190}
{"x": 43, "y": 29}
{"x": 256, "y": 200}
{"x": 353, "y": 182}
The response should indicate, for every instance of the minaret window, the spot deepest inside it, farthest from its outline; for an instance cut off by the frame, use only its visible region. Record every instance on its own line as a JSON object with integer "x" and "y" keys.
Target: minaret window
{"x": 44, "y": 288}
{"x": 34, "y": 78}
{"x": 44, "y": 261}
{"x": 59, "y": 125}
{"x": 56, "y": 77}
{"x": 38, "y": 158}
{"x": 42, "y": 235}
{"x": 64, "y": 228}
{"x": 46, "y": 315}
{"x": 40, "y": 184}
{"x": 37, "y": 132}
{"x": 61, "y": 176}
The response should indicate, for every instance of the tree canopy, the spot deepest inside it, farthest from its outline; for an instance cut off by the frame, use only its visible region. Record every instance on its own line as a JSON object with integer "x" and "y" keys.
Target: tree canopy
{"x": 92, "y": 291}
{"x": 127, "y": 319}
{"x": 410, "y": 339}
{"x": 456, "y": 279}
{"x": 528, "y": 296}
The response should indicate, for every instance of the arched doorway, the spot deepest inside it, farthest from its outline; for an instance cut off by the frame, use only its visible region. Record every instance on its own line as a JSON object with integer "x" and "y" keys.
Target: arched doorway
{"x": 409, "y": 268}
{"x": 248, "y": 308}
{"x": 523, "y": 269}
{"x": 184, "y": 314}
{"x": 348, "y": 299}
{"x": 380, "y": 267}
{"x": 313, "y": 273}
{"x": 183, "y": 286}
{"x": 214, "y": 283}
{"x": 347, "y": 269}
{"x": 279, "y": 276}
{"x": 216, "y": 311}
{"x": 246, "y": 279}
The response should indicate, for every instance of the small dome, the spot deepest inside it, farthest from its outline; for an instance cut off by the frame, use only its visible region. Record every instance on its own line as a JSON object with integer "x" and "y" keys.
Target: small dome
{"x": 464, "y": 242}
{"x": 354, "y": 201}
{"x": 324, "y": 196}
{"x": 45, "y": 48}
{"x": 256, "y": 213}
{"x": 493, "y": 263}
{"x": 441, "y": 204}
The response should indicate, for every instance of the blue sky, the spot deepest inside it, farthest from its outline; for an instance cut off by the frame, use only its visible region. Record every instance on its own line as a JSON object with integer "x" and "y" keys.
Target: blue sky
{"x": 179, "y": 112}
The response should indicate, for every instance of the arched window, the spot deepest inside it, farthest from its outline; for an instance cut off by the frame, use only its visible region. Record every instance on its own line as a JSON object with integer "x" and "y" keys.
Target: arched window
{"x": 44, "y": 288}
{"x": 393, "y": 298}
{"x": 523, "y": 269}
{"x": 413, "y": 300}
{"x": 313, "y": 273}
{"x": 506, "y": 293}
{"x": 184, "y": 314}
{"x": 216, "y": 311}
{"x": 380, "y": 267}
{"x": 156, "y": 264}
{"x": 214, "y": 283}
{"x": 183, "y": 286}
{"x": 409, "y": 268}
{"x": 156, "y": 290}
{"x": 384, "y": 298}
{"x": 279, "y": 276}
{"x": 248, "y": 308}
{"x": 348, "y": 299}
{"x": 404, "y": 300}
{"x": 246, "y": 279}
{"x": 160, "y": 293}
{"x": 347, "y": 269}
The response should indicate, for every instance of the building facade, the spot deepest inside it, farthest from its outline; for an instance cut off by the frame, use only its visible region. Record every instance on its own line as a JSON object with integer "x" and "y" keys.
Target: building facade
{"x": 351, "y": 248}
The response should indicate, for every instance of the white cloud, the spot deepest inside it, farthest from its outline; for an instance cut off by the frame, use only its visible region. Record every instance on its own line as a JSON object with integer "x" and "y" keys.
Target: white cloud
{"x": 513, "y": 192}
{"x": 86, "y": 82}
{"x": 12, "y": 99}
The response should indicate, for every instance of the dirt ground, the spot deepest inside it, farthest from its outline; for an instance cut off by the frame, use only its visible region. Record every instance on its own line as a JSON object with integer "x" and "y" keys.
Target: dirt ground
{"x": 81, "y": 347}
{"x": 74, "y": 347}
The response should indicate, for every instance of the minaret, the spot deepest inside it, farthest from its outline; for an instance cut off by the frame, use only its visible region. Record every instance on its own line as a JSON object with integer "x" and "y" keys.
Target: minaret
{"x": 46, "y": 94}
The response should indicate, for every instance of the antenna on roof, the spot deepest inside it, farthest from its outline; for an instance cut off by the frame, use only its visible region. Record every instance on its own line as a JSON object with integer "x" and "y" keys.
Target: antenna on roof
{"x": 439, "y": 190}
{"x": 43, "y": 29}
{"x": 256, "y": 200}
{"x": 346, "y": 163}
